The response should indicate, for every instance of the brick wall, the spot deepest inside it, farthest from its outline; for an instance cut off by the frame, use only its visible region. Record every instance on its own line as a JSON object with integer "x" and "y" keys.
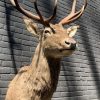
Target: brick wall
{"x": 80, "y": 73}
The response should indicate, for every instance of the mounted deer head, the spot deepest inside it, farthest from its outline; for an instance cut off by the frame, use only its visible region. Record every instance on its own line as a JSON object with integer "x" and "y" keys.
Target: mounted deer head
{"x": 57, "y": 40}
{"x": 38, "y": 81}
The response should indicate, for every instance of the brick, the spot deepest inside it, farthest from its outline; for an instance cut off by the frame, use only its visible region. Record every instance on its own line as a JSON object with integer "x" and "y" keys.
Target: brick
{"x": 2, "y": 97}
{"x": 1, "y": 26}
{"x": 5, "y": 57}
{"x": 7, "y": 70}
{"x": 3, "y": 91}
{"x": 26, "y": 53}
{"x": 7, "y": 63}
{"x": 2, "y": 31}
{"x": 4, "y": 84}
{"x": 6, "y": 77}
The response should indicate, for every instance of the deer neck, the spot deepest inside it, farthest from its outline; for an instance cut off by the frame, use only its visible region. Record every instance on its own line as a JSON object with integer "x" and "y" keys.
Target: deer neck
{"x": 46, "y": 67}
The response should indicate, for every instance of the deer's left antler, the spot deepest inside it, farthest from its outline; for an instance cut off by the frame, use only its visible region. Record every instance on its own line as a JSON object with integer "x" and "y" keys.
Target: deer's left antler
{"x": 74, "y": 15}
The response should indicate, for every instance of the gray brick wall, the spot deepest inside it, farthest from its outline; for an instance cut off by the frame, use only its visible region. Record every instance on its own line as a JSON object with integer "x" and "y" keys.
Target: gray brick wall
{"x": 80, "y": 73}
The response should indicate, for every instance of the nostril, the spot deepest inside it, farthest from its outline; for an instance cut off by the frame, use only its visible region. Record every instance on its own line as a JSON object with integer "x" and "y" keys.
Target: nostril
{"x": 67, "y": 43}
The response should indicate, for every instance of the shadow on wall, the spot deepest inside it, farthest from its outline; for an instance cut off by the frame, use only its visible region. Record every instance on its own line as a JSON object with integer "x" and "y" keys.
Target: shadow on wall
{"x": 96, "y": 22}
{"x": 10, "y": 38}
{"x": 90, "y": 55}
{"x": 88, "y": 46}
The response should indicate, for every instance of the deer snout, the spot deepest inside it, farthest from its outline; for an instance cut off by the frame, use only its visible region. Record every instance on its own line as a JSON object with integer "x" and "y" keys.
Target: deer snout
{"x": 71, "y": 44}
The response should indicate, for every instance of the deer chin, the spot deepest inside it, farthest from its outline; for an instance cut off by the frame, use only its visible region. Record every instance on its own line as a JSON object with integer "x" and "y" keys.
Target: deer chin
{"x": 66, "y": 53}
{"x": 58, "y": 53}
{"x": 62, "y": 54}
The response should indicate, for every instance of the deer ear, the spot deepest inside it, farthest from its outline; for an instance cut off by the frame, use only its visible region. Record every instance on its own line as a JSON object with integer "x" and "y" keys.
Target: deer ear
{"x": 72, "y": 30}
{"x": 31, "y": 26}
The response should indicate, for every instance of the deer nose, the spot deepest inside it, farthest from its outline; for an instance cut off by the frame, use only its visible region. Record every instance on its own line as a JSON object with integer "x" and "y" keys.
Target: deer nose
{"x": 73, "y": 46}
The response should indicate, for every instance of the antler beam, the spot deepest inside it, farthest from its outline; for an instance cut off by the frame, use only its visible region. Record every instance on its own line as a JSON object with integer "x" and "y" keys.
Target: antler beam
{"x": 23, "y": 11}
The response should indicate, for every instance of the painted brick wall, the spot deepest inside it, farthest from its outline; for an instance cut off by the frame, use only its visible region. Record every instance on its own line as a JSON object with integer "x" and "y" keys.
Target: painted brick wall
{"x": 80, "y": 73}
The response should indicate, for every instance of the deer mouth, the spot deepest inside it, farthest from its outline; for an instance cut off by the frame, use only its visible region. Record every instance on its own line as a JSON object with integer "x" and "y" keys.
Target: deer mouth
{"x": 70, "y": 49}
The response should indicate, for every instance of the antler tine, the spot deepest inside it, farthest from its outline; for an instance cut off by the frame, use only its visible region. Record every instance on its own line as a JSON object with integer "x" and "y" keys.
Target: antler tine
{"x": 73, "y": 15}
{"x": 54, "y": 12}
{"x": 28, "y": 13}
{"x": 73, "y": 6}
{"x": 13, "y": 3}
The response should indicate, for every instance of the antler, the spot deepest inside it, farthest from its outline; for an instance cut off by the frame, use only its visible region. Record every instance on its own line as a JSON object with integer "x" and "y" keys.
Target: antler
{"x": 38, "y": 18}
{"x": 73, "y": 15}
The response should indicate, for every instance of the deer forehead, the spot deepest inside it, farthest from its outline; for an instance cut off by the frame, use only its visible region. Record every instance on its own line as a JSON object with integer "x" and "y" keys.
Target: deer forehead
{"x": 57, "y": 29}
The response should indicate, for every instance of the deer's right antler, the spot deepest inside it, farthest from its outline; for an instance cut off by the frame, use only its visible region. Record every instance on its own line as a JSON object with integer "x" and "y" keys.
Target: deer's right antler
{"x": 38, "y": 18}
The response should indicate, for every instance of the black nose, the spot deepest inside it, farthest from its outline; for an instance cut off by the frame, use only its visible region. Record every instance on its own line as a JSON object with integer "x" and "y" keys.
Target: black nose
{"x": 73, "y": 46}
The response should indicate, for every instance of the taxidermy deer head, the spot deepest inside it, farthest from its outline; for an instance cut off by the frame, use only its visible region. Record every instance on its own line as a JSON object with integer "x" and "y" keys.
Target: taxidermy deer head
{"x": 57, "y": 41}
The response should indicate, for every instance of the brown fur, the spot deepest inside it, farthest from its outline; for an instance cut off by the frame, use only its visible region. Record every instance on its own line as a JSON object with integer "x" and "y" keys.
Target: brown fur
{"x": 39, "y": 80}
